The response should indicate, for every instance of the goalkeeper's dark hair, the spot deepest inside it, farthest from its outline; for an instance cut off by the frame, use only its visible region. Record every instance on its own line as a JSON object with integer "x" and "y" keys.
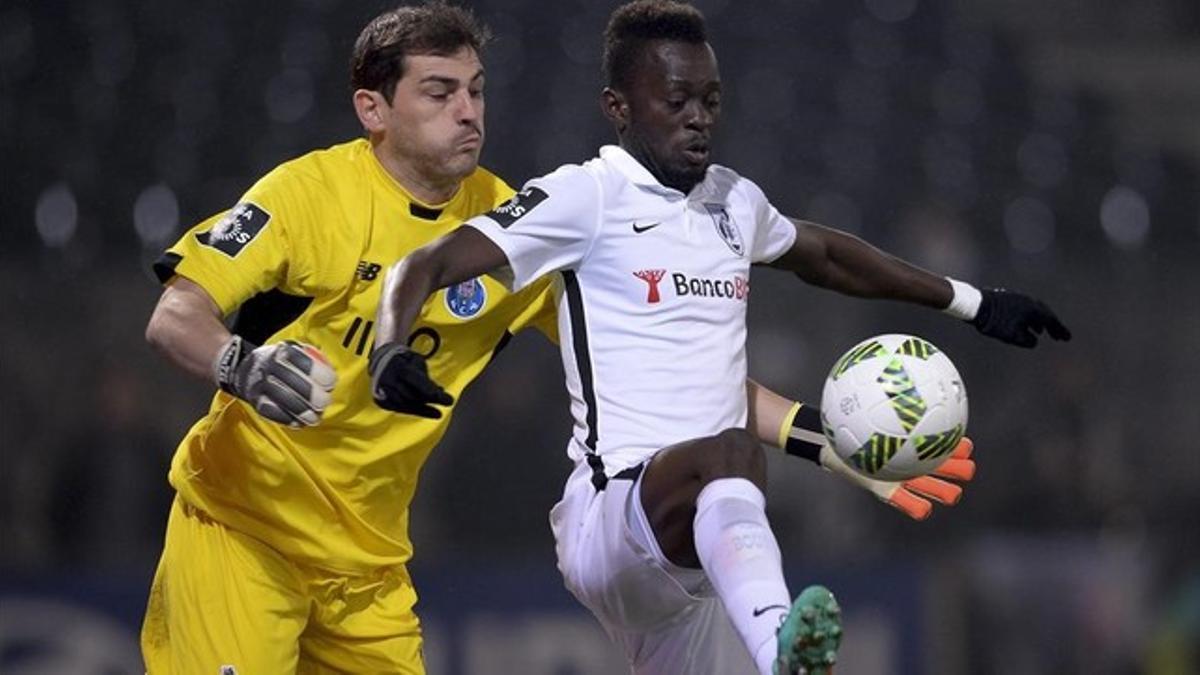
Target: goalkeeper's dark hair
{"x": 633, "y": 25}
{"x": 436, "y": 28}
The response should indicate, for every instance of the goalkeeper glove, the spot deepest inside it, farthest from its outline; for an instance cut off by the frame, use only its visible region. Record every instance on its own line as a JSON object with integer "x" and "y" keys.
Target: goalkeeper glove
{"x": 400, "y": 382}
{"x": 801, "y": 436}
{"x": 286, "y": 382}
{"x": 912, "y": 496}
{"x": 1006, "y": 315}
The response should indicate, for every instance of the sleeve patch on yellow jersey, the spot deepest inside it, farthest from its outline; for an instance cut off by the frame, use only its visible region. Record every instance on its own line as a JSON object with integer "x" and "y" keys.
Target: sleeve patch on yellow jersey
{"x": 232, "y": 233}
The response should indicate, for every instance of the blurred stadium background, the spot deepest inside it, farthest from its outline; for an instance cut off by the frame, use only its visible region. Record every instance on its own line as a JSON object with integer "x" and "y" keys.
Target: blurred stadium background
{"x": 1048, "y": 145}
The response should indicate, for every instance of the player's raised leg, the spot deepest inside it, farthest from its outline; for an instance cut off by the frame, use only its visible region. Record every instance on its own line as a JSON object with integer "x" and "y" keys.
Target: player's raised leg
{"x": 704, "y": 501}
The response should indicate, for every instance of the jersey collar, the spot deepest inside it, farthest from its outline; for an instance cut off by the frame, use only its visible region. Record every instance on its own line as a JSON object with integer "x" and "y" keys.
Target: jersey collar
{"x": 637, "y": 174}
{"x": 417, "y": 208}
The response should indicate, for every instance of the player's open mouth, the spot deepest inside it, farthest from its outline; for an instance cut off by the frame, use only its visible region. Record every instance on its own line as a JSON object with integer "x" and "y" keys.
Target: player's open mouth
{"x": 696, "y": 153}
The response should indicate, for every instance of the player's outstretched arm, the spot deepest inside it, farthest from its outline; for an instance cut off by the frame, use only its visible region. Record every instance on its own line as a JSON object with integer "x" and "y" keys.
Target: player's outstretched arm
{"x": 399, "y": 377}
{"x": 796, "y": 428}
{"x": 286, "y": 382}
{"x": 839, "y": 261}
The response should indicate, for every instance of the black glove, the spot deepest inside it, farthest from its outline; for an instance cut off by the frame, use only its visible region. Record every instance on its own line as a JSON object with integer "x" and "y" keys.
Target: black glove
{"x": 1016, "y": 318}
{"x": 287, "y": 382}
{"x": 400, "y": 382}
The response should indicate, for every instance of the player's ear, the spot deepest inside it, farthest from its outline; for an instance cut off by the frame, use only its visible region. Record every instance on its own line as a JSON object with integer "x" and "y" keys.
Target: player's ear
{"x": 615, "y": 107}
{"x": 368, "y": 105}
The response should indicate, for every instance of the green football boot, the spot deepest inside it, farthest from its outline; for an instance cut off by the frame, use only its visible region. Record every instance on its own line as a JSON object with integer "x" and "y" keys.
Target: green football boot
{"x": 810, "y": 635}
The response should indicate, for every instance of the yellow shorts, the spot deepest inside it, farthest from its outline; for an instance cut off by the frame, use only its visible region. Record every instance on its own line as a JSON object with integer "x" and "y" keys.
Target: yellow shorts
{"x": 224, "y": 603}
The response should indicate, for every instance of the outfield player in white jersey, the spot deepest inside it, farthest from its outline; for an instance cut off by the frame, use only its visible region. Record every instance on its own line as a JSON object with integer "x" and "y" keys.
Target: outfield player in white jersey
{"x": 661, "y": 531}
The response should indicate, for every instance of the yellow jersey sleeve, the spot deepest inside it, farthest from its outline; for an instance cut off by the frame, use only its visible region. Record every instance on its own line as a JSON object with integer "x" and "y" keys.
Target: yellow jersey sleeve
{"x": 256, "y": 246}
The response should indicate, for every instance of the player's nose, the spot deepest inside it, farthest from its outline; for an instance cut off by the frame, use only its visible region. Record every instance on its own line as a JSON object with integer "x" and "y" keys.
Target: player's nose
{"x": 469, "y": 108}
{"x": 699, "y": 117}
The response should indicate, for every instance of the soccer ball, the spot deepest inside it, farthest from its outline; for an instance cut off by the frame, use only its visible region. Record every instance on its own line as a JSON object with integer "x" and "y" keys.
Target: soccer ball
{"x": 894, "y": 407}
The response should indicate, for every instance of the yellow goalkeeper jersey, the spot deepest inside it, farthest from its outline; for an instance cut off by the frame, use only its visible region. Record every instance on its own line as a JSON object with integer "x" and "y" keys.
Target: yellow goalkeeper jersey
{"x": 302, "y": 256}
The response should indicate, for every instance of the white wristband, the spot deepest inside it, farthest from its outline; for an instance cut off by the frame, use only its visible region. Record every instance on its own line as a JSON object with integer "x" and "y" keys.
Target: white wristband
{"x": 965, "y": 303}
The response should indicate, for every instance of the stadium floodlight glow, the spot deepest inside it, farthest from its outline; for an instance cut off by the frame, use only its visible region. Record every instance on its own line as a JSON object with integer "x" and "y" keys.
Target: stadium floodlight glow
{"x": 1029, "y": 224}
{"x": 56, "y": 215}
{"x": 1125, "y": 217}
{"x": 156, "y": 215}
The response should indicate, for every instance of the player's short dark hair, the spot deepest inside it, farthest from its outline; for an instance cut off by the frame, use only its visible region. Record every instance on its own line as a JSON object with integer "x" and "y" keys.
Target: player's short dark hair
{"x": 634, "y": 24}
{"x": 436, "y": 27}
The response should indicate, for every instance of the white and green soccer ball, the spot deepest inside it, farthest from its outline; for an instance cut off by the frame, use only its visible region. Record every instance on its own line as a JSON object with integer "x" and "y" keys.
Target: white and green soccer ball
{"x": 894, "y": 407}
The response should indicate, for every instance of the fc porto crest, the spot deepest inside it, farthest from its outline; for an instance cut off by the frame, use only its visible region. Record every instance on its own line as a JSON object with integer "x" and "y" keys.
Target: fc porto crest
{"x": 726, "y": 228}
{"x": 466, "y": 299}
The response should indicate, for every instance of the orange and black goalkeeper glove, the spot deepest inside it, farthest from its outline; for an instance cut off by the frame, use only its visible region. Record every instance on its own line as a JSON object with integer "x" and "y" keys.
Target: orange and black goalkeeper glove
{"x": 913, "y": 496}
{"x": 801, "y": 436}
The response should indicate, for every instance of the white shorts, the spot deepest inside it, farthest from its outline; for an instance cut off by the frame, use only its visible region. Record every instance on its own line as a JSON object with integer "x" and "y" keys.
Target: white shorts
{"x": 666, "y": 618}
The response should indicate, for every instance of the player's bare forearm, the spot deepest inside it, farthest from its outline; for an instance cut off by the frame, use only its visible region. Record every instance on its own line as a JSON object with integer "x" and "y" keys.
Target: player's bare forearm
{"x": 768, "y": 411}
{"x": 842, "y": 262}
{"x": 407, "y": 285}
{"x": 462, "y": 254}
{"x": 780, "y": 422}
{"x": 187, "y": 327}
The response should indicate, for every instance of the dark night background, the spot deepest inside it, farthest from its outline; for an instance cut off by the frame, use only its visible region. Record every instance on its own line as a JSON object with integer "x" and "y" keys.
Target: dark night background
{"x": 1050, "y": 146}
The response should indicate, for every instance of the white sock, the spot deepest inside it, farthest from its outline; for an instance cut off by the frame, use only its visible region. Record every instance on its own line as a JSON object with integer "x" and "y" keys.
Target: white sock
{"x": 741, "y": 557}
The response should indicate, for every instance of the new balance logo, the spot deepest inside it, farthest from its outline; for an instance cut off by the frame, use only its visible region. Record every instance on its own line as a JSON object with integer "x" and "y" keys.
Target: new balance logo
{"x": 638, "y": 229}
{"x": 367, "y": 271}
{"x": 651, "y": 277}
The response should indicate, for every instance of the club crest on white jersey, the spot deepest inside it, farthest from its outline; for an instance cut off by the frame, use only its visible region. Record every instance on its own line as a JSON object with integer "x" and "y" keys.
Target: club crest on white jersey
{"x": 726, "y": 227}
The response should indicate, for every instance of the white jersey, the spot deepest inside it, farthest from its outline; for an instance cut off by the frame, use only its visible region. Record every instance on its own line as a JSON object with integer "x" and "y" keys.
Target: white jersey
{"x": 652, "y": 314}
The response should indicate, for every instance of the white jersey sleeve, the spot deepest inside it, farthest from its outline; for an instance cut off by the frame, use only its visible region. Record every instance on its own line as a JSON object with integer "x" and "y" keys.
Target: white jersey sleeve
{"x": 549, "y": 225}
{"x": 774, "y": 233}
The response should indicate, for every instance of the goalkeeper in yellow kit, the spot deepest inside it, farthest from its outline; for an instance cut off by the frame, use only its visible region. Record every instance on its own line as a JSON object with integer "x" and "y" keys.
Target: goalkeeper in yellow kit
{"x": 287, "y": 543}
{"x": 286, "y": 546}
